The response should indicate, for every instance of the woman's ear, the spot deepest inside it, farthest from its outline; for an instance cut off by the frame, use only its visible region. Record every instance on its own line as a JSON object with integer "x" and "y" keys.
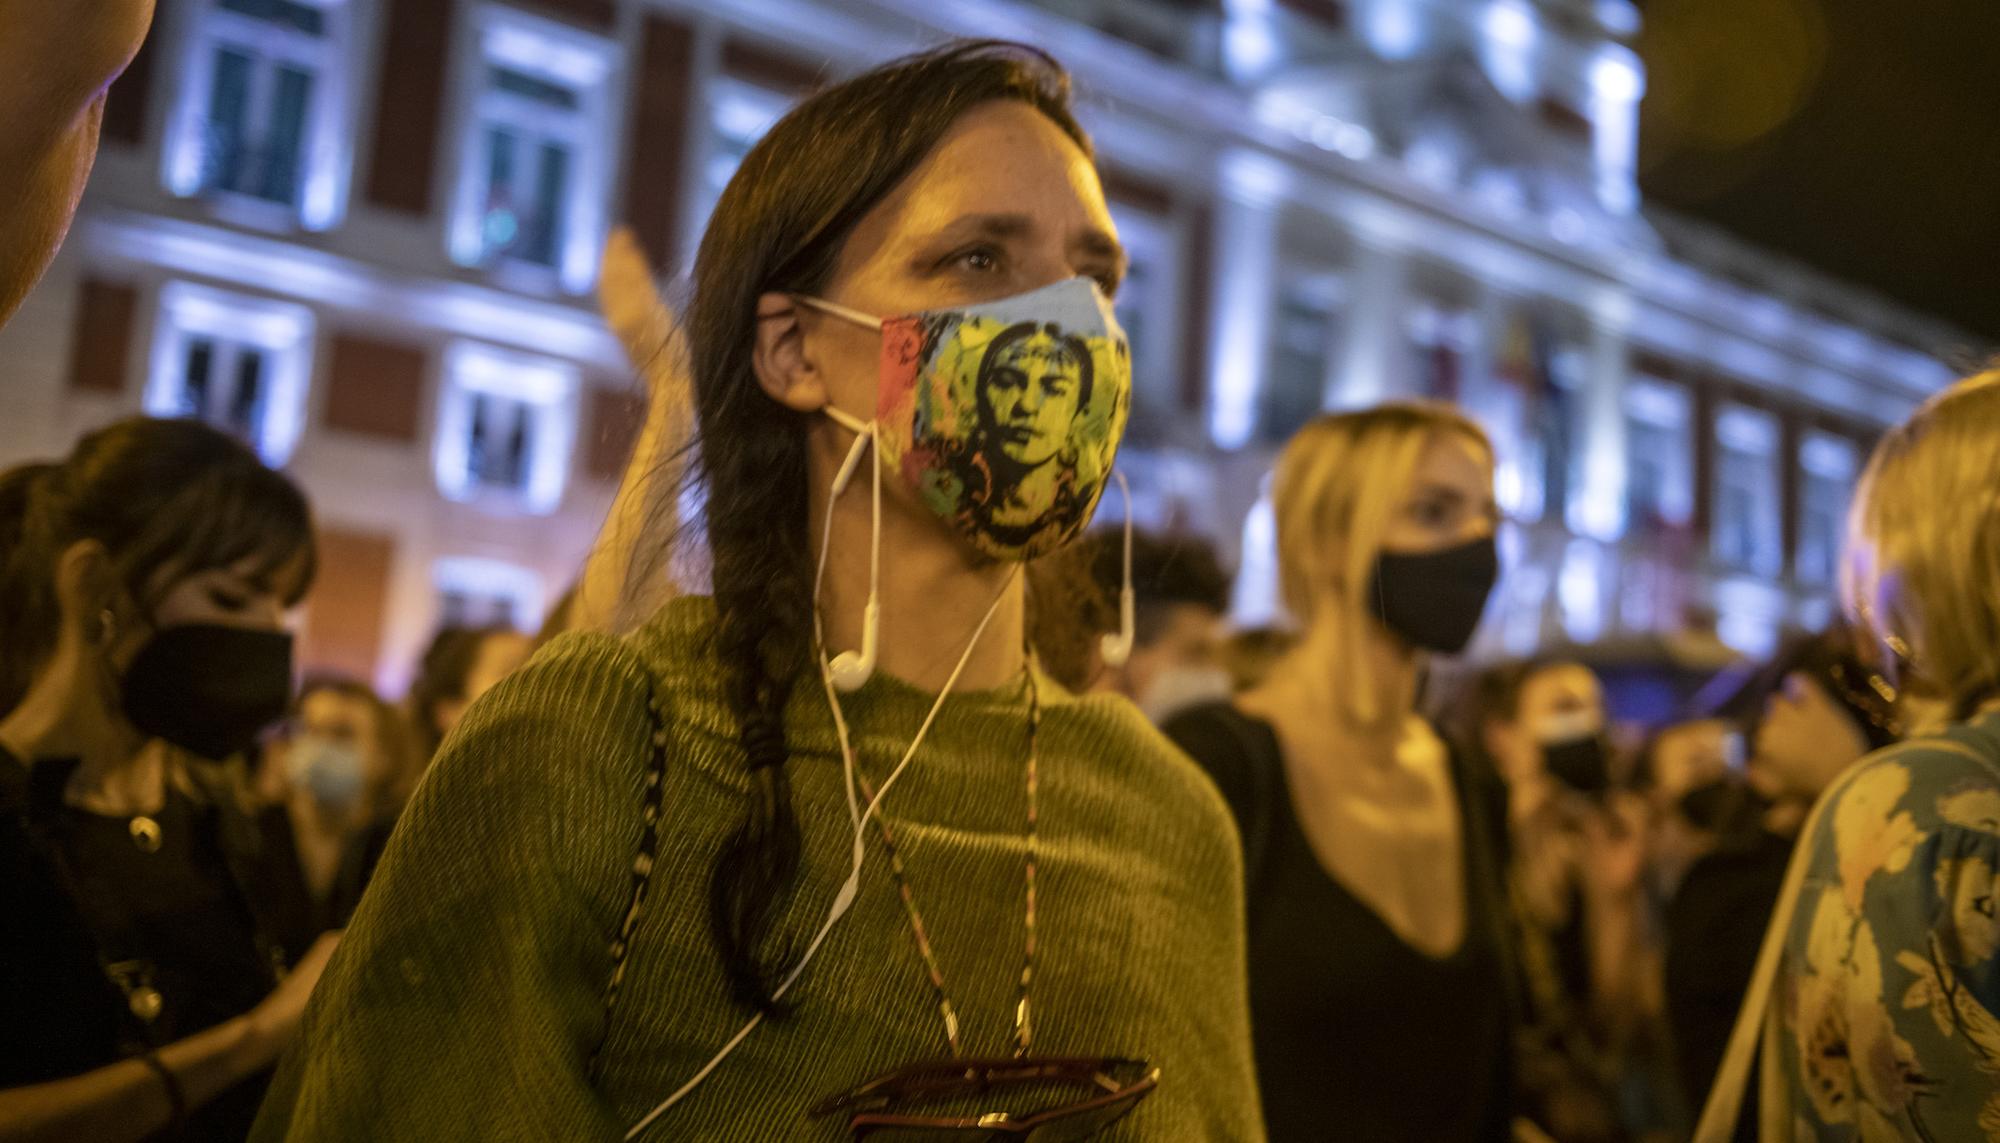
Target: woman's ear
{"x": 784, "y": 366}
{"x": 86, "y": 591}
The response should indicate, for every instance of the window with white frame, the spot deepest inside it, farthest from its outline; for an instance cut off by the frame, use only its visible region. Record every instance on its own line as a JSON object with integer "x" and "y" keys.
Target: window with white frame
{"x": 237, "y": 362}
{"x": 1747, "y": 514}
{"x": 506, "y": 426}
{"x": 1147, "y": 302}
{"x": 536, "y": 152}
{"x": 1659, "y": 455}
{"x": 739, "y": 113}
{"x": 473, "y": 591}
{"x": 262, "y": 115}
{"x": 1303, "y": 328}
{"x": 1828, "y": 466}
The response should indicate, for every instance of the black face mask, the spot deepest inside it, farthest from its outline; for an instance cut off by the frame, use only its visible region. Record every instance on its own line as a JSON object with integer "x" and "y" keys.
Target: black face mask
{"x": 1718, "y": 805}
{"x": 209, "y": 688}
{"x": 1433, "y": 600}
{"x": 1582, "y": 764}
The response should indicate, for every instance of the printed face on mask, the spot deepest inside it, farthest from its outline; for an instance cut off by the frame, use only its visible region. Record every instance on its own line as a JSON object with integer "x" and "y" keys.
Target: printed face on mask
{"x": 1003, "y": 418}
{"x": 1032, "y": 383}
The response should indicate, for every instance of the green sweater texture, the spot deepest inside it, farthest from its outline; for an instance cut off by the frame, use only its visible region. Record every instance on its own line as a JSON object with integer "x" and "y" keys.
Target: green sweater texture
{"x": 468, "y": 998}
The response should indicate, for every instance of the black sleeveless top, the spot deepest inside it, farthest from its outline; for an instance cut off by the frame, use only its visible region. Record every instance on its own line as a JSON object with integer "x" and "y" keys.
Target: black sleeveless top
{"x": 1357, "y": 1034}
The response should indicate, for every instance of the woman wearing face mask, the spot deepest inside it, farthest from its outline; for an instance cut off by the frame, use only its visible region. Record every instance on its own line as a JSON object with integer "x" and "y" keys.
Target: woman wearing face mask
{"x": 143, "y": 584}
{"x": 1577, "y": 847}
{"x": 1691, "y": 775}
{"x": 1874, "y": 1008}
{"x": 829, "y": 825}
{"x": 1378, "y": 968}
{"x": 1819, "y": 710}
{"x": 347, "y": 762}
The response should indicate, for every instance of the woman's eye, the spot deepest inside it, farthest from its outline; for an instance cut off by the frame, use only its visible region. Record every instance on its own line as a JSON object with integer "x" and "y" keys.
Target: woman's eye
{"x": 228, "y": 600}
{"x": 979, "y": 260}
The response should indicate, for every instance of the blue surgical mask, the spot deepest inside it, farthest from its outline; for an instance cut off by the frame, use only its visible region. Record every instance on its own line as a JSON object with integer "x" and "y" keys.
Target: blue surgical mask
{"x": 332, "y": 772}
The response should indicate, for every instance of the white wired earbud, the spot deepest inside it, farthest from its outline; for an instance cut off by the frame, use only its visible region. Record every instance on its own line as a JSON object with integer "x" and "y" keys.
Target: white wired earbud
{"x": 1116, "y": 649}
{"x": 852, "y": 669}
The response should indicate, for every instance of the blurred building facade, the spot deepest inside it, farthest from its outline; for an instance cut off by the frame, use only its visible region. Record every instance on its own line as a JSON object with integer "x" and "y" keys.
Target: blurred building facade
{"x": 364, "y": 234}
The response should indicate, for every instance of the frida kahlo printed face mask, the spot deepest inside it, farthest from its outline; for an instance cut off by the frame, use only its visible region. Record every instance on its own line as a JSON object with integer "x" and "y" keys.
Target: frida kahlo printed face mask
{"x": 1004, "y": 418}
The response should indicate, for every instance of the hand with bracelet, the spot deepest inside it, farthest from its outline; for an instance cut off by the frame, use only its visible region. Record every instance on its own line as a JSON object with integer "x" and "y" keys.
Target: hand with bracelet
{"x": 139, "y": 1097}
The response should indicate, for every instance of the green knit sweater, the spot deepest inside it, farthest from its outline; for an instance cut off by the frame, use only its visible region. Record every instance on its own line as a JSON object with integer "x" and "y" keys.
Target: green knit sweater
{"x": 468, "y": 1000}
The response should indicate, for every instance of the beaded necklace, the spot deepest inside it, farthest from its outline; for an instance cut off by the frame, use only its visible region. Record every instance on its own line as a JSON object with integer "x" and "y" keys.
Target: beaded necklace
{"x": 1024, "y": 1028}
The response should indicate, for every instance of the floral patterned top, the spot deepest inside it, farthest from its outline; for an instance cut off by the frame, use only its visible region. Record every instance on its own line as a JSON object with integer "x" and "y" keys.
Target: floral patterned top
{"x": 1890, "y": 983}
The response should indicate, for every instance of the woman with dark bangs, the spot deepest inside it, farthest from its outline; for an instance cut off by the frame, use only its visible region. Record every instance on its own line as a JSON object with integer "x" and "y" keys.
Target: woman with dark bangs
{"x": 824, "y": 853}
{"x": 144, "y": 582}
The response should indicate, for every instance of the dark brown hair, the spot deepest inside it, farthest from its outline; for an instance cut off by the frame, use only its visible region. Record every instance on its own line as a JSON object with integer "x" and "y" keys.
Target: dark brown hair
{"x": 441, "y": 676}
{"x": 167, "y": 498}
{"x": 780, "y": 226}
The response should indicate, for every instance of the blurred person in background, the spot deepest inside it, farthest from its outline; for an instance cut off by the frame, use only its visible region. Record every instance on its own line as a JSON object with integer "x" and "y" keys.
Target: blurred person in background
{"x": 144, "y": 583}
{"x": 56, "y": 63}
{"x": 1180, "y": 594}
{"x": 1819, "y": 709}
{"x": 460, "y": 664}
{"x": 1692, "y": 776}
{"x": 1874, "y": 1008}
{"x": 1380, "y": 968}
{"x": 346, "y": 760}
{"x": 1248, "y": 656}
{"x": 1577, "y": 843}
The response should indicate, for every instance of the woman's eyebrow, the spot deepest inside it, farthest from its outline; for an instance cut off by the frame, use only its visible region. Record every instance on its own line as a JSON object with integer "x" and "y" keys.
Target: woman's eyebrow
{"x": 1443, "y": 492}
{"x": 1092, "y": 241}
{"x": 996, "y": 227}
{"x": 1096, "y": 243}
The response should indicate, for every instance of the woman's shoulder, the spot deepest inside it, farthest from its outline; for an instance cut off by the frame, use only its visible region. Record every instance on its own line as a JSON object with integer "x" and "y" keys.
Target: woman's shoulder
{"x": 1111, "y": 730}
{"x": 579, "y": 671}
{"x": 1951, "y": 778}
{"x": 1899, "y": 811}
{"x": 583, "y": 703}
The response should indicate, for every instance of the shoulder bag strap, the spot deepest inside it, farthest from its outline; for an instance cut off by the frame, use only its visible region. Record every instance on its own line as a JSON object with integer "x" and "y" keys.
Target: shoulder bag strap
{"x": 653, "y": 793}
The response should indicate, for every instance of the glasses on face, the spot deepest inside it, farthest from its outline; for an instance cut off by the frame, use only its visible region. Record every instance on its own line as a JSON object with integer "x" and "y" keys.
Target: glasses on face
{"x": 1112, "y": 1088}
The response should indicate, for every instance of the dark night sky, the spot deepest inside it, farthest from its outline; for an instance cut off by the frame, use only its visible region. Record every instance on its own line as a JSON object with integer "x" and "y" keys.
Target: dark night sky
{"x": 1858, "y": 136}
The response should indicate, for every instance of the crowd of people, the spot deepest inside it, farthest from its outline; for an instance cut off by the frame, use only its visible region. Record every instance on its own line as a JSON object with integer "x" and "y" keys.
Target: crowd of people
{"x": 924, "y": 812}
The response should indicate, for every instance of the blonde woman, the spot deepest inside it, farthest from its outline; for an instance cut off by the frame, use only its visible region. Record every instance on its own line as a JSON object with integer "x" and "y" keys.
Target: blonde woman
{"x": 1876, "y": 1005}
{"x": 1377, "y": 965}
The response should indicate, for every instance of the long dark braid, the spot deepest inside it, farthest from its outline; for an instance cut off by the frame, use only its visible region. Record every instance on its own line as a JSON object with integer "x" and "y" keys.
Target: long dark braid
{"x": 780, "y": 226}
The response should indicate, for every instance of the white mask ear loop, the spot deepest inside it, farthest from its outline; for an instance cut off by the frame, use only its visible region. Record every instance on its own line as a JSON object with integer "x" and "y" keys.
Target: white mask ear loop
{"x": 844, "y": 898}
{"x": 1116, "y": 649}
{"x": 842, "y": 312}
